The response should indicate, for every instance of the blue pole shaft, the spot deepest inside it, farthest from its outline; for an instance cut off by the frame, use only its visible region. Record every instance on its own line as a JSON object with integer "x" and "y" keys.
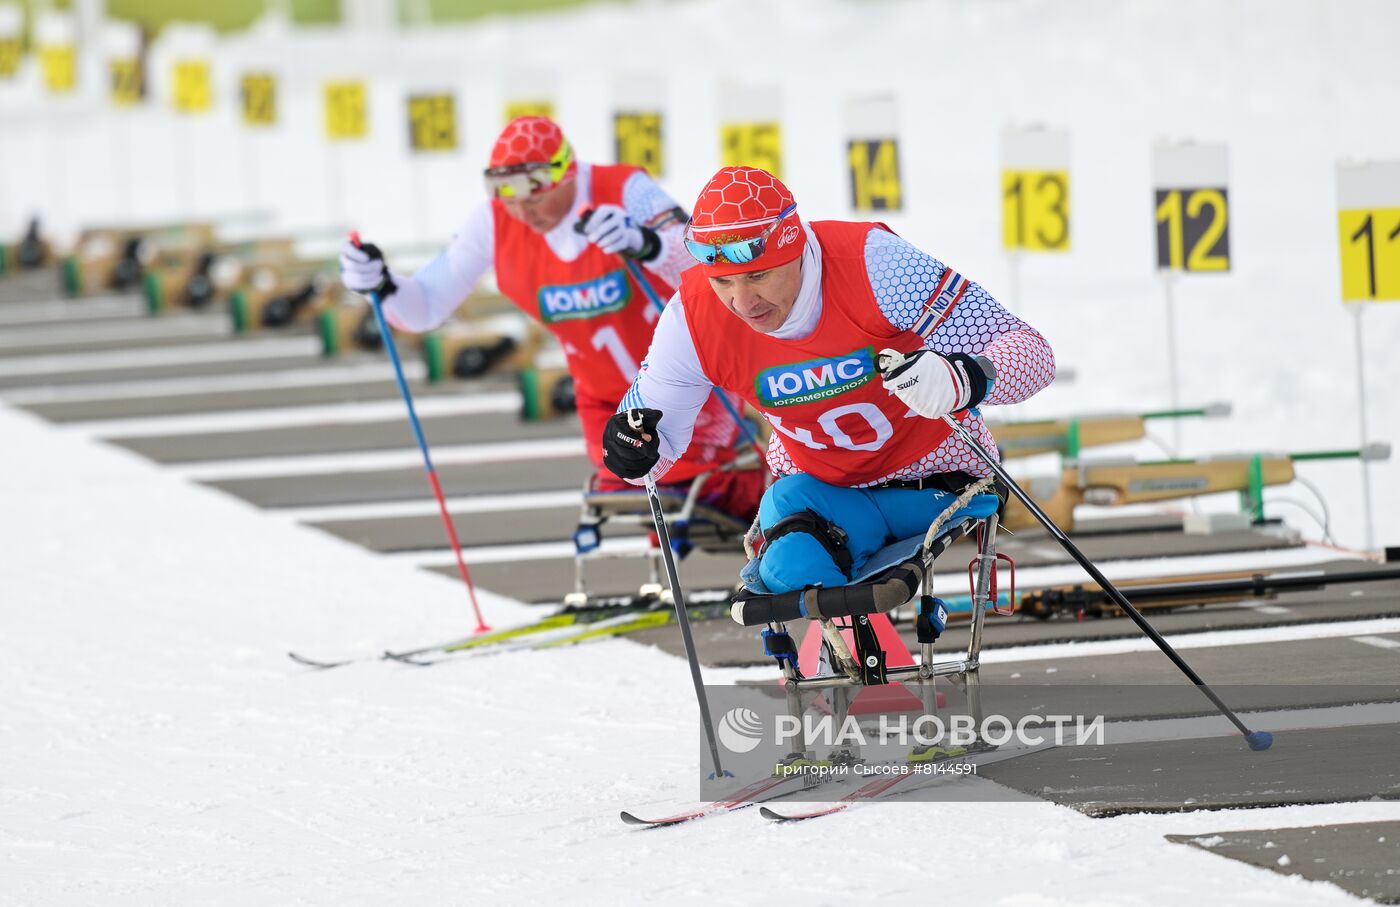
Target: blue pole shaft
{"x": 374, "y": 303}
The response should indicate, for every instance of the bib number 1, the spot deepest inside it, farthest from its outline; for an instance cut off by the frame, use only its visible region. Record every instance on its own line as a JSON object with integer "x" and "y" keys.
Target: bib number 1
{"x": 607, "y": 338}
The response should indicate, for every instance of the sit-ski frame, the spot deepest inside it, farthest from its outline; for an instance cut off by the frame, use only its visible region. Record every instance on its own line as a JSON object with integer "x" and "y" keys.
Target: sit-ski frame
{"x": 923, "y": 673}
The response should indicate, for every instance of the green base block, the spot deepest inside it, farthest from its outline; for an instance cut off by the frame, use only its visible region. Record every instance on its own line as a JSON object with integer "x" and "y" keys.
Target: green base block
{"x": 72, "y": 276}
{"x": 155, "y": 298}
{"x": 434, "y": 356}
{"x": 327, "y": 326}
{"x": 530, "y": 394}
{"x": 238, "y": 309}
{"x": 4, "y": 258}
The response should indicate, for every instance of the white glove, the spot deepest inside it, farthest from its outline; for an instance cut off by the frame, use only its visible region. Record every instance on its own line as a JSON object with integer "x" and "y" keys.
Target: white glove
{"x": 610, "y": 228}
{"x": 933, "y": 385}
{"x": 363, "y": 271}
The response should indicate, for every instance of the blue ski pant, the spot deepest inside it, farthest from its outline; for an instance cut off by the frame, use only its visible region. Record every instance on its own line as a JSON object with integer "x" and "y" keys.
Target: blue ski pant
{"x": 870, "y": 517}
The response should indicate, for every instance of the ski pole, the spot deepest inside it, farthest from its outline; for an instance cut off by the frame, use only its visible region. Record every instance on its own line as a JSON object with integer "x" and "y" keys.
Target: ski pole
{"x": 678, "y": 599}
{"x": 636, "y": 272}
{"x": 1257, "y": 740}
{"x": 374, "y": 304}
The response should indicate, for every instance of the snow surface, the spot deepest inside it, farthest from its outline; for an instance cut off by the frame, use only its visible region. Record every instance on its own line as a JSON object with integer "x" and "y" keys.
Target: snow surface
{"x": 157, "y": 746}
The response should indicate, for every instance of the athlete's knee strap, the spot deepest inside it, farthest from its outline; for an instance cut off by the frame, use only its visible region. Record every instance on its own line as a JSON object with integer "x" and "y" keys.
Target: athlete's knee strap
{"x": 828, "y": 535}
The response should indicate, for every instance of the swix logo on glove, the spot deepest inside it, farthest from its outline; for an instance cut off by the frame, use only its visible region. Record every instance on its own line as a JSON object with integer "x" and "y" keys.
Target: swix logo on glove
{"x": 590, "y": 299}
{"x": 816, "y": 379}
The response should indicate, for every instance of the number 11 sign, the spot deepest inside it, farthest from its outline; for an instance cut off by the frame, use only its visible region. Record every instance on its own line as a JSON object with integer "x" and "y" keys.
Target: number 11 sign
{"x": 1368, "y": 232}
{"x": 1368, "y": 224}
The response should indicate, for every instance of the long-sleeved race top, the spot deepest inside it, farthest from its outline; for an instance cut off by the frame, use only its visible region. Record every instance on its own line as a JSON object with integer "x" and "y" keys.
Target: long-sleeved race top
{"x": 426, "y": 298}
{"x": 906, "y": 284}
{"x": 596, "y": 304}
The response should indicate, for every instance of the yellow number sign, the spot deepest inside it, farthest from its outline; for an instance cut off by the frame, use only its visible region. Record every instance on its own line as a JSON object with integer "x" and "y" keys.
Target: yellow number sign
{"x": 346, "y": 111}
{"x": 752, "y": 145}
{"x": 528, "y": 108}
{"x": 1192, "y": 229}
{"x": 9, "y": 57}
{"x": 432, "y": 122}
{"x": 59, "y": 64}
{"x": 1370, "y": 240}
{"x": 1035, "y": 210}
{"x": 193, "y": 91}
{"x": 875, "y": 183}
{"x": 638, "y": 140}
{"x": 128, "y": 82}
{"x": 259, "y": 94}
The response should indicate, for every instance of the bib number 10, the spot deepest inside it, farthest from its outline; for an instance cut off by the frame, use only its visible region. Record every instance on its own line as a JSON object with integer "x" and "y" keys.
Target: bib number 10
{"x": 862, "y": 418}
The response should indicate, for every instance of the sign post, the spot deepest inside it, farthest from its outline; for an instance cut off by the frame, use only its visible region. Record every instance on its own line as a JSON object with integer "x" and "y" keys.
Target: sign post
{"x": 750, "y": 135}
{"x": 638, "y": 124}
{"x": 1035, "y": 200}
{"x": 872, "y": 154}
{"x": 1191, "y": 209}
{"x": 346, "y": 120}
{"x": 11, "y": 39}
{"x": 1368, "y": 234}
{"x": 432, "y": 129}
{"x": 529, "y": 93}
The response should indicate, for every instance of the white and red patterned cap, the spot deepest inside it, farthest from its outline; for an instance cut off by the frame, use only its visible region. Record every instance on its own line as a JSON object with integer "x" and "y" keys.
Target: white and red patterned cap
{"x": 740, "y": 203}
{"x": 532, "y": 140}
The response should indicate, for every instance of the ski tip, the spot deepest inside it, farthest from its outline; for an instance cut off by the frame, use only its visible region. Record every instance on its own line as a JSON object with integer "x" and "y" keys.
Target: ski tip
{"x": 633, "y": 820}
{"x": 313, "y": 663}
{"x": 1259, "y": 740}
{"x": 771, "y": 816}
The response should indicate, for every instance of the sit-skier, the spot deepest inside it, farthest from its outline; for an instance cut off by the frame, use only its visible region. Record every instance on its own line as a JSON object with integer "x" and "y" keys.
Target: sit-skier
{"x": 559, "y": 232}
{"x": 862, "y": 457}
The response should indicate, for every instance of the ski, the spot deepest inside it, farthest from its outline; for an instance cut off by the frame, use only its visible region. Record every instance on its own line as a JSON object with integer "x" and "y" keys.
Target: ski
{"x": 742, "y": 800}
{"x": 866, "y": 791}
{"x": 881, "y": 787}
{"x": 545, "y": 638}
{"x": 319, "y": 665}
{"x": 568, "y": 618}
{"x": 554, "y": 637}
{"x": 565, "y": 628}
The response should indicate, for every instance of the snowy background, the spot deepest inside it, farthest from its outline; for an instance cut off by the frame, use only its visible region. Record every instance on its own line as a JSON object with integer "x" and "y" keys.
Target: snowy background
{"x": 156, "y": 745}
{"x": 1290, "y": 88}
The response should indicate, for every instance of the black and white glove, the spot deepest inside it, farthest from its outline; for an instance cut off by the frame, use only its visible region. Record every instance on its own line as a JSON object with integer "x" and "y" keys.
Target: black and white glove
{"x": 935, "y": 385}
{"x": 363, "y": 271}
{"x": 631, "y": 444}
{"x": 611, "y": 228}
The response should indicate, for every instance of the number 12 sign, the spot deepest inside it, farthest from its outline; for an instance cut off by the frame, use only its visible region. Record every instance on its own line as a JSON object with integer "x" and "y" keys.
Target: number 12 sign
{"x": 1192, "y": 206}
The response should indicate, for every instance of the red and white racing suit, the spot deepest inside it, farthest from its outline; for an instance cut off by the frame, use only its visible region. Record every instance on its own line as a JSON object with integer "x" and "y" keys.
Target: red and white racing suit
{"x": 815, "y": 380}
{"x": 585, "y": 297}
